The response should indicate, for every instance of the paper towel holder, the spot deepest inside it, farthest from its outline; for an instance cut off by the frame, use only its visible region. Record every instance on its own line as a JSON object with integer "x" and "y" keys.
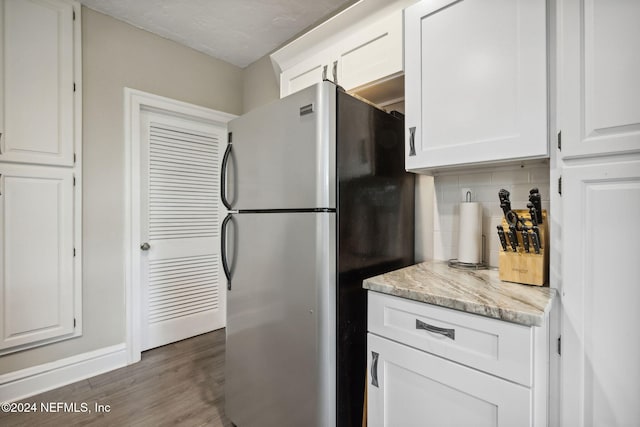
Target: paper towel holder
{"x": 454, "y": 263}
{"x": 482, "y": 265}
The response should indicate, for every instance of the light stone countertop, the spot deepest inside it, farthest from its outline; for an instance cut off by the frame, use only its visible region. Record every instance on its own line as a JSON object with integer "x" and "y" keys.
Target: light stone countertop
{"x": 473, "y": 291}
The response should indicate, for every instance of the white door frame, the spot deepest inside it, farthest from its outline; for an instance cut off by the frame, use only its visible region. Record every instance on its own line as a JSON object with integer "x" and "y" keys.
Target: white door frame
{"x": 134, "y": 102}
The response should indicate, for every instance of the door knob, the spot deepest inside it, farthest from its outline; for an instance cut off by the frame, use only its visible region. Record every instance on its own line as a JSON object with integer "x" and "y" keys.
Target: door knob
{"x": 145, "y": 246}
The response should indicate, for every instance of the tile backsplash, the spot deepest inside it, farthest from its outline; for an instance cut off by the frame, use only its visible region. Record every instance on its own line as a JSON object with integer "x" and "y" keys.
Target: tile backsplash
{"x": 448, "y": 191}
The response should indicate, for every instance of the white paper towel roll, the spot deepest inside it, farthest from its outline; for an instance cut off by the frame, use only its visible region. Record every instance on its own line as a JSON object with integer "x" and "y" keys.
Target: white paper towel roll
{"x": 470, "y": 237}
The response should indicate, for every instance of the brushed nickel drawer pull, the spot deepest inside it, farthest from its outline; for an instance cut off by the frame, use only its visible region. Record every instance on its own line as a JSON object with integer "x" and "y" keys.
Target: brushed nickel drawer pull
{"x": 412, "y": 141}
{"x": 449, "y": 333}
{"x": 374, "y": 369}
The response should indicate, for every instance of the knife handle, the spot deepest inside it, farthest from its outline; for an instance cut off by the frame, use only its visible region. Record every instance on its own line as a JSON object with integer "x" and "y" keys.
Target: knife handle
{"x": 533, "y": 213}
{"x": 513, "y": 238}
{"x": 503, "y": 238}
{"x": 534, "y": 199}
{"x": 535, "y": 242}
{"x": 505, "y": 203}
{"x": 525, "y": 240}
{"x": 536, "y": 230}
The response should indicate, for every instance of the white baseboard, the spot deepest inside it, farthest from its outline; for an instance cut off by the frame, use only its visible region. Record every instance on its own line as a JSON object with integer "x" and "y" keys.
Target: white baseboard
{"x": 38, "y": 379}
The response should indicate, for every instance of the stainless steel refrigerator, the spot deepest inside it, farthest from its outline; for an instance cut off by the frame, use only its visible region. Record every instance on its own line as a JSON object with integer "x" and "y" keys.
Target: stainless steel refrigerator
{"x": 318, "y": 200}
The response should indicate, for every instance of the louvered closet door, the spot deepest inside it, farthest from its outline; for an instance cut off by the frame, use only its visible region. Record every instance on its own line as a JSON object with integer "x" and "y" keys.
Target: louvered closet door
{"x": 180, "y": 210}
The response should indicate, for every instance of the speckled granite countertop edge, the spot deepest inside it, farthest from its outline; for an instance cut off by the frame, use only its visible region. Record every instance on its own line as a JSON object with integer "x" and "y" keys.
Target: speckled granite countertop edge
{"x": 478, "y": 292}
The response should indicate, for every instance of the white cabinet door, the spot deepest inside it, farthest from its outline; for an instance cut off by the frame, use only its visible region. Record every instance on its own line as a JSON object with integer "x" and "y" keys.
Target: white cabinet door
{"x": 475, "y": 82}
{"x": 37, "y": 71}
{"x": 307, "y": 73}
{"x": 407, "y": 387}
{"x": 599, "y": 90}
{"x": 372, "y": 54}
{"x": 36, "y": 254}
{"x": 600, "y": 294}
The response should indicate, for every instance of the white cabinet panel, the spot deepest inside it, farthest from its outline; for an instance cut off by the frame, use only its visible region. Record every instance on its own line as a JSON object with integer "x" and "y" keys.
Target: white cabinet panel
{"x": 38, "y": 76}
{"x": 460, "y": 369}
{"x": 600, "y": 294}
{"x": 475, "y": 82}
{"x": 366, "y": 48}
{"x": 413, "y": 388}
{"x": 371, "y": 54}
{"x": 599, "y": 77}
{"x": 36, "y": 254}
{"x": 490, "y": 345}
{"x": 306, "y": 73}
{"x": 599, "y": 117}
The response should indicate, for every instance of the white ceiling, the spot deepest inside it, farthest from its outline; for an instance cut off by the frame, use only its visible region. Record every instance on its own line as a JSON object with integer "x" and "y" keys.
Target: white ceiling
{"x": 236, "y": 31}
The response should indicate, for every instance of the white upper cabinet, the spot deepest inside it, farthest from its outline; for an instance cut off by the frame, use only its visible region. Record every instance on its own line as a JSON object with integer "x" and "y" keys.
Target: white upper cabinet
{"x": 307, "y": 73}
{"x": 371, "y": 54}
{"x": 359, "y": 47}
{"x": 37, "y": 68}
{"x": 475, "y": 82}
{"x": 600, "y": 67}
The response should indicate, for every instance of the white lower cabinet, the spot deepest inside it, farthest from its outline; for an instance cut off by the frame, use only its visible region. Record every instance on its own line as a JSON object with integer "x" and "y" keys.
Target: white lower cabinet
{"x": 600, "y": 294}
{"x": 431, "y": 365}
{"x": 37, "y": 292}
{"x": 415, "y": 388}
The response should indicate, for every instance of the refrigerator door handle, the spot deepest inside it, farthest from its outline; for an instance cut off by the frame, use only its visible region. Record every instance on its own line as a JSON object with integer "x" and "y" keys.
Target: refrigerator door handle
{"x": 223, "y": 177}
{"x": 223, "y": 249}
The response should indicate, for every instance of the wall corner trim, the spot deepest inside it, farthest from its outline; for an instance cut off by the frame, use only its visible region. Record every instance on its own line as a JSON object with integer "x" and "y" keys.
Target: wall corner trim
{"x": 38, "y": 379}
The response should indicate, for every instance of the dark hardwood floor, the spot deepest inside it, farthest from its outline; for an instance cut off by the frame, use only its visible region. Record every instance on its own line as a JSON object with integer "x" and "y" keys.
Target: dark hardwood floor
{"x": 178, "y": 384}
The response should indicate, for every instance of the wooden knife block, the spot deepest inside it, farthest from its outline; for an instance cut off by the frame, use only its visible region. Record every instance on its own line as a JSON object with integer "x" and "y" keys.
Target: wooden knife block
{"x": 522, "y": 267}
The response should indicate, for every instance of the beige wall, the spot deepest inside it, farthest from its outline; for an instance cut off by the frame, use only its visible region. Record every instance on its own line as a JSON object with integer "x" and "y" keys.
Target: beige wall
{"x": 118, "y": 55}
{"x": 260, "y": 84}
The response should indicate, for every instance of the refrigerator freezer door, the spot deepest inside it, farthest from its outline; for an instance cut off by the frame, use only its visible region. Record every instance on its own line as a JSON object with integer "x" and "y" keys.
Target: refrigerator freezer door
{"x": 283, "y": 154}
{"x": 280, "y": 351}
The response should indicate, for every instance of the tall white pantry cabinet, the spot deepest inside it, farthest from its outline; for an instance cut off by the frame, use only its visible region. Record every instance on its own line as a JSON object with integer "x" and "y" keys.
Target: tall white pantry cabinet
{"x": 40, "y": 171}
{"x": 598, "y": 173}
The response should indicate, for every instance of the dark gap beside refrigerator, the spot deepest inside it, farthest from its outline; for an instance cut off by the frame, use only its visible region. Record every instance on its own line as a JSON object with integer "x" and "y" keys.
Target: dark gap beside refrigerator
{"x": 375, "y": 232}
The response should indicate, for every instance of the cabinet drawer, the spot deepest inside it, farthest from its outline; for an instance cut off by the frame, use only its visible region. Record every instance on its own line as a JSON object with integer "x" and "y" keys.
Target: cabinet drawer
{"x": 501, "y": 348}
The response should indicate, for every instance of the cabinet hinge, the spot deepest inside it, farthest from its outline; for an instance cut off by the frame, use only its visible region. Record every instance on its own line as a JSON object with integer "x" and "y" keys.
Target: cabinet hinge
{"x": 559, "y": 349}
{"x": 74, "y": 181}
{"x": 560, "y": 186}
{"x": 74, "y": 15}
{"x": 74, "y": 157}
{"x": 230, "y": 137}
{"x": 74, "y": 252}
{"x": 74, "y": 86}
{"x": 560, "y": 140}
{"x": 74, "y": 322}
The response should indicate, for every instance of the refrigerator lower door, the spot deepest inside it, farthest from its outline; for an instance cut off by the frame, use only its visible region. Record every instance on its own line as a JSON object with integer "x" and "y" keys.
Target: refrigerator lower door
{"x": 280, "y": 351}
